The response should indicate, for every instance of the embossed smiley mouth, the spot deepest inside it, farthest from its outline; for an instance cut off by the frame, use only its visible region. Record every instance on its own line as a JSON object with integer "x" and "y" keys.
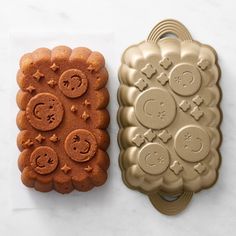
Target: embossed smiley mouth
{"x": 86, "y": 147}
{"x": 82, "y": 145}
{"x": 197, "y": 147}
{"x": 36, "y": 110}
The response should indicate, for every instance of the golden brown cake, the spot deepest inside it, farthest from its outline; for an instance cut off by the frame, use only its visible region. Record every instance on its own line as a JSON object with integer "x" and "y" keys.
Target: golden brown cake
{"x": 63, "y": 119}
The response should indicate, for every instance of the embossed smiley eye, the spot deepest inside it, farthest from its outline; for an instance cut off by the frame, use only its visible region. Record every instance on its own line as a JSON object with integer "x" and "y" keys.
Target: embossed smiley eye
{"x": 73, "y": 83}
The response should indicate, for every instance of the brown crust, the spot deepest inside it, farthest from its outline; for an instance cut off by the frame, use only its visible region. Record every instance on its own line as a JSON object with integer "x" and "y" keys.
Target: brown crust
{"x": 40, "y": 72}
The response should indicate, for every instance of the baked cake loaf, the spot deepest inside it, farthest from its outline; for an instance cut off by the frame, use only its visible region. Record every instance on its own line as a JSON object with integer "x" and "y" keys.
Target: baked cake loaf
{"x": 63, "y": 119}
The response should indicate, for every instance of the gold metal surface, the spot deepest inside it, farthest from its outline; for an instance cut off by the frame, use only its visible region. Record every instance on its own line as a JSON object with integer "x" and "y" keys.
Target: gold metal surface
{"x": 169, "y": 116}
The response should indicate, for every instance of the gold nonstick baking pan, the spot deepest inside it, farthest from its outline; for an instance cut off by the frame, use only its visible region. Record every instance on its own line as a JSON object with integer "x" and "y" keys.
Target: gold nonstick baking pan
{"x": 169, "y": 117}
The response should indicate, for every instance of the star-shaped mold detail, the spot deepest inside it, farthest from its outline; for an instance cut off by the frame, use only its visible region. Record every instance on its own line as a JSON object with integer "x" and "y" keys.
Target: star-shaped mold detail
{"x": 88, "y": 168}
{"x": 52, "y": 83}
{"x": 148, "y": 70}
{"x": 184, "y": 105}
{"x": 200, "y": 168}
{"x": 28, "y": 143}
{"x": 37, "y": 75}
{"x": 166, "y": 63}
{"x": 163, "y": 78}
{"x": 196, "y": 113}
{"x": 30, "y": 89}
{"x": 74, "y": 108}
{"x": 54, "y": 67}
{"x": 65, "y": 168}
{"x": 40, "y": 138}
{"x": 141, "y": 84}
{"x": 54, "y": 138}
{"x": 85, "y": 116}
{"x": 86, "y": 103}
{"x": 198, "y": 100}
{"x": 165, "y": 136}
{"x": 176, "y": 167}
{"x": 203, "y": 64}
{"x": 138, "y": 140}
{"x": 149, "y": 135}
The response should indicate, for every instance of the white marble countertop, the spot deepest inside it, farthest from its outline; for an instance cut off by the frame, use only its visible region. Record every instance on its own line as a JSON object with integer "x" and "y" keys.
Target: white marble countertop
{"x": 114, "y": 209}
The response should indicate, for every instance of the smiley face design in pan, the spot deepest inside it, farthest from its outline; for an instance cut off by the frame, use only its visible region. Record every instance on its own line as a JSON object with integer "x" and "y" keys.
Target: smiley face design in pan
{"x": 192, "y": 143}
{"x": 154, "y": 158}
{"x": 185, "y": 79}
{"x": 155, "y": 108}
{"x": 80, "y": 145}
{"x": 44, "y": 111}
{"x": 73, "y": 83}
